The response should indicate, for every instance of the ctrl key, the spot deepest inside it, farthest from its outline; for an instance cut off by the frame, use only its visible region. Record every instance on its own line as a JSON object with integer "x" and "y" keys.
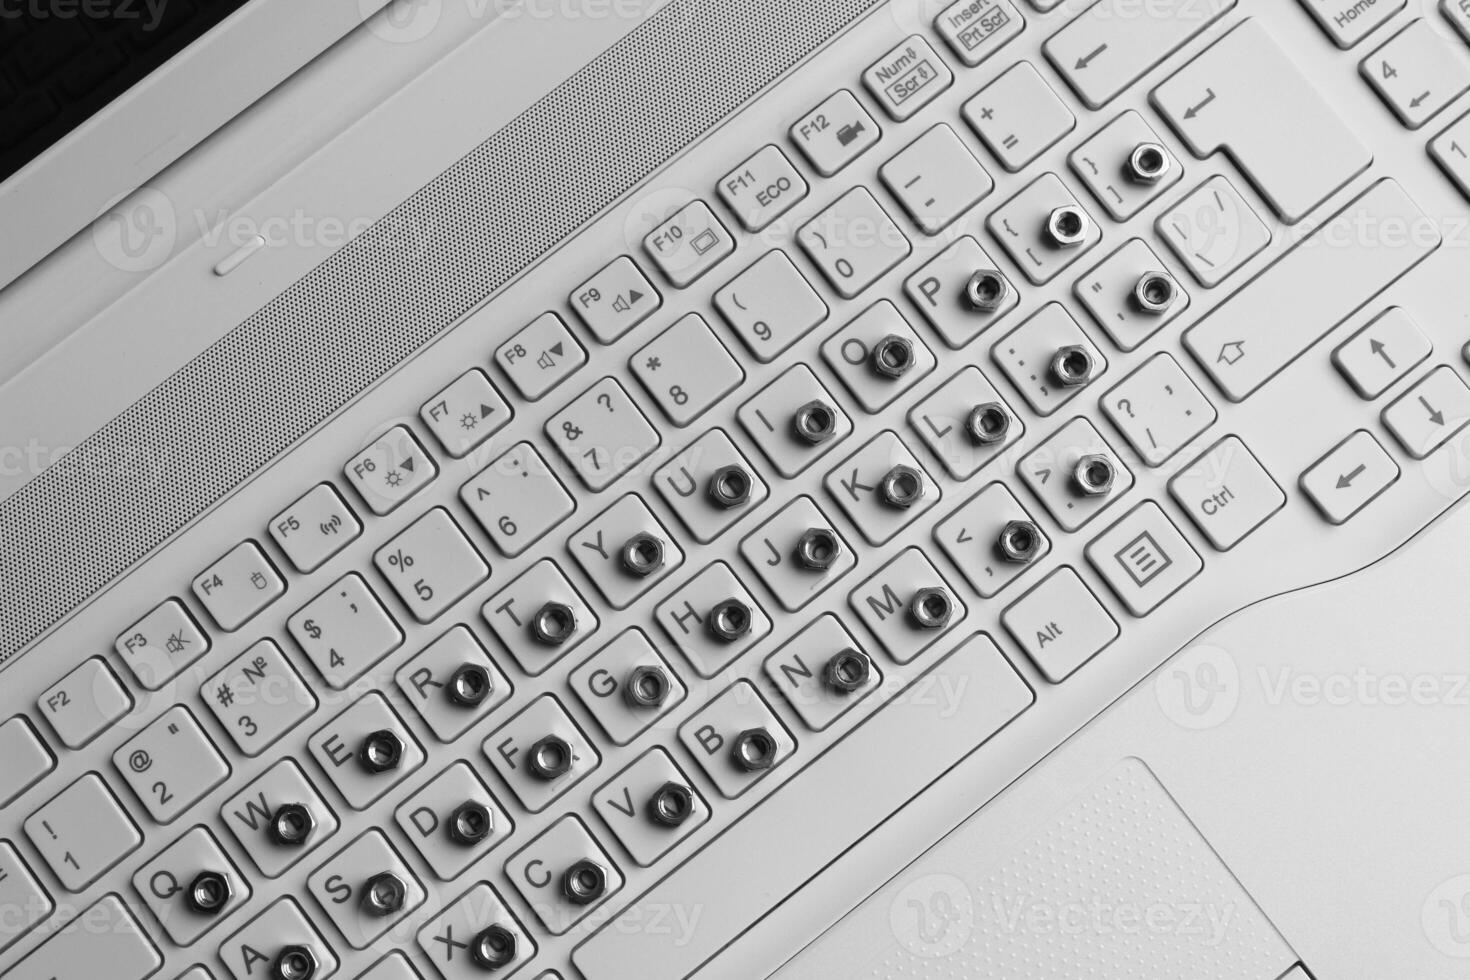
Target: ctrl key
{"x": 1227, "y": 493}
{"x": 104, "y": 941}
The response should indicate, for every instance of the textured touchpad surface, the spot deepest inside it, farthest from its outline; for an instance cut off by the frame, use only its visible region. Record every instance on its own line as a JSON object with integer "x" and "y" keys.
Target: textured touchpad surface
{"x": 1117, "y": 886}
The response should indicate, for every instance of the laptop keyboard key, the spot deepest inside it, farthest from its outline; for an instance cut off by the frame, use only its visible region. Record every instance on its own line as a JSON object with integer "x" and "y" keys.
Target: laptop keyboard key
{"x": 1382, "y": 353}
{"x": 737, "y": 739}
{"x": 975, "y": 31}
{"x": 835, "y": 133}
{"x": 477, "y": 917}
{"x": 602, "y": 434}
{"x": 104, "y": 941}
{"x": 27, "y": 760}
{"x": 282, "y": 925}
{"x": 966, "y": 423}
{"x": 1430, "y": 413}
{"x": 345, "y": 630}
{"x": 540, "y": 356}
{"x": 629, "y": 805}
{"x": 431, "y": 565}
{"x": 1060, "y": 624}
{"x": 710, "y": 485}
{"x": 258, "y": 697}
{"x": 279, "y": 800}
{"x": 625, "y": 551}
{"x": 166, "y": 884}
{"x": 689, "y": 244}
{"x": 1144, "y": 558}
{"x": 878, "y": 356}
{"x": 1213, "y": 231}
{"x": 392, "y": 469}
{"x": 1049, "y": 359}
{"x": 795, "y": 420}
{"x": 1018, "y": 116}
{"x": 686, "y": 370}
{"x": 1044, "y": 228}
{"x": 1111, "y": 45}
{"x": 344, "y": 887}
{"x": 541, "y": 753}
{"x": 171, "y": 764}
{"x": 961, "y": 292}
{"x": 1159, "y": 409}
{"x": 161, "y": 644}
{"x": 315, "y": 527}
{"x": 82, "y": 832}
{"x": 603, "y": 681}
{"x": 1355, "y": 473}
{"x": 770, "y": 306}
{"x": 1297, "y": 155}
{"x": 84, "y": 703}
{"x": 517, "y": 499}
{"x": 25, "y": 902}
{"x": 1126, "y": 166}
{"x": 763, "y": 188}
{"x": 1227, "y": 493}
{"x": 854, "y": 242}
{"x": 366, "y": 751}
{"x": 992, "y": 540}
{"x": 465, "y": 413}
{"x": 540, "y": 617}
{"x": 1076, "y": 474}
{"x": 1349, "y": 21}
{"x": 615, "y": 300}
{"x": 1418, "y": 72}
{"x": 564, "y": 875}
{"x": 936, "y": 178}
{"x": 428, "y": 682}
{"x": 907, "y": 78}
{"x": 238, "y": 586}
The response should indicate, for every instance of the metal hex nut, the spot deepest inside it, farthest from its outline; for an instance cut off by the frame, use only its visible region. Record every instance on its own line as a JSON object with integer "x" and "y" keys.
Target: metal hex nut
{"x": 494, "y": 947}
{"x": 584, "y": 882}
{"x": 893, "y": 356}
{"x": 470, "y": 685}
{"x": 1067, "y": 226}
{"x": 987, "y": 291}
{"x": 647, "y": 686}
{"x": 292, "y": 824}
{"x": 1019, "y": 542}
{"x": 848, "y": 671}
{"x": 730, "y": 486}
{"x": 818, "y": 549}
{"x": 902, "y": 487}
{"x": 551, "y": 756}
{"x": 931, "y": 608}
{"x": 729, "y": 620}
{"x": 754, "y": 750}
{"x": 1155, "y": 293}
{"x": 1095, "y": 475}
{"x": 1148, "y": 163}
{"x": 381, "y": 751}
{"x": 671, "y": 804}
{"x": 988, "y": 423}
{"x": 209, "y": 892}
{"x": 554, "y": 623}
{"x": 1072, "y": 365}
{"x": 815, "y": 422}
{"x": 642, "y": 554}
{"x": 296, "y": 963}
{"x": 384, "y": 894}
{"x": 470, "y": 823}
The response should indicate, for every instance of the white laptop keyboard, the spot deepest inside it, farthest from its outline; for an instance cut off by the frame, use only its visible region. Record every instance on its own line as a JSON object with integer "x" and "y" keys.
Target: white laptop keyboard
{"x": 965, "y": 378}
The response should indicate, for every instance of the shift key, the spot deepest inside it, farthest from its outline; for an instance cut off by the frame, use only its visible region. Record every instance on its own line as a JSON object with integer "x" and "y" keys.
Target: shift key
{"x": 1325, "y": 279}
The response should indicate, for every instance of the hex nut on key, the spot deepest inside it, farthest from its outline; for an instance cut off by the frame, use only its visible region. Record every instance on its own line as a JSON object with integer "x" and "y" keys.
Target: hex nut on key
{"x": 815, "y": 422}
{"x": 554, "y": 623}
{"x": 1072, "y": 366}
{"x": 295, "y": 963}
{"x": 584, "y": 882}
{"x": 384, "y": 894}
{"x": 893, "y": 356}
{"x": 1019, "y": 542}
{"x": 729, "y": 620}
{"x": 1148, "y": 163}
{"x": 931, "y": 608}
{"x": 987, "y": 291}
{"x": 292, "y": 825}
{"x": 988, "y": 423}
{"x": 642, "y": 554}
{"x": 470, "y": 823}
{"x": 469, "y": 685}
{"x": 209, "y": 892}
{"x": 381, "y": 751}
{"x": 671, "y": 804}
{"x": 818, "y": 549}
{"x": 646, "y": 687}
{"x": 848, "y": 671}
{"x": 902, "y": 487}
{"x": 550, "y": 757}
{"x": 754, "y": 750}
{"x": 730, "y": 486}
{"x": 1155, "y": 292}
{"x": 1067, "y": 226}
{"x": 1094, "y": 475}
{"x": 494, "y": 947}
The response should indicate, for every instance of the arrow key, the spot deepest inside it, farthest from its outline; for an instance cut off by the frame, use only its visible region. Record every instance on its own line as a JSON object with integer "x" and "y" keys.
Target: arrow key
{"x": 1350, "y": 477}
{"x": 1418, "y": 72}
{"x": 1430, "y": 413}
{"x": 1382, "y": 353}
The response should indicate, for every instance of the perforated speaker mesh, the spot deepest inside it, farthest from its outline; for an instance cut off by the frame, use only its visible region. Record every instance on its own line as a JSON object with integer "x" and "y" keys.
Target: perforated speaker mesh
{"x": 181, "y": 448}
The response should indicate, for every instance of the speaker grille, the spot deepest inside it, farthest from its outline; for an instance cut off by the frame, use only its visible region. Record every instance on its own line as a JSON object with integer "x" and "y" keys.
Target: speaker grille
{"x": 177, "y": 451}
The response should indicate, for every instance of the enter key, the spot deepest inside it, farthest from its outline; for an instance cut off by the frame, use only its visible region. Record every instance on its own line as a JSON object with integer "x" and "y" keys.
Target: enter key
{"x": 1246, "y": 96}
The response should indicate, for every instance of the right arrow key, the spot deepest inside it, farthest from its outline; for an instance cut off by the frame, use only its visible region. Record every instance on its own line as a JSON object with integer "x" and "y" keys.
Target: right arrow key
{"x": 1430, "y": 413}
{"x": 1350, "y": 477}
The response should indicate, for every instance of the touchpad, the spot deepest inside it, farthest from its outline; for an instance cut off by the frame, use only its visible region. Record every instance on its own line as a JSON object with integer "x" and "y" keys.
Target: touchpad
{"x": 1119, "y": 885}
